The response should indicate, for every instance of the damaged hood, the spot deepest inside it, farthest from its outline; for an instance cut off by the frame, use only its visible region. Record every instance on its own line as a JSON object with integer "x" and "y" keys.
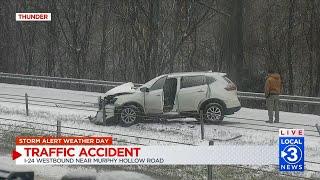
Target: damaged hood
{"x": 122, "y": 89}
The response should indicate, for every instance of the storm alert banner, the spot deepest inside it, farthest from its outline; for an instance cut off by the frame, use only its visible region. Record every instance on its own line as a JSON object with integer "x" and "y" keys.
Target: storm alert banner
{"x": 100, "y": 151}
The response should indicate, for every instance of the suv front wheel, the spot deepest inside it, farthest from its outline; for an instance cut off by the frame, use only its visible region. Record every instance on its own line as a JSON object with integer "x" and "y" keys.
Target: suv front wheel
{"x": 214, "y": 113}
{"x": 129, "y": 115}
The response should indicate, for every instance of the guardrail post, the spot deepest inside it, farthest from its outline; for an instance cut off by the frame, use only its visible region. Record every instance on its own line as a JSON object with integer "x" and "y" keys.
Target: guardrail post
{"x": 99, "y": 102}
{"x": 104, "y": 113}
{"x": 210, "y": 174}
{"x": 202, "y": 124}
{"x": 27, "y": 105}
{"x": 318, "y": 128}
{"x": 58, "y": 127}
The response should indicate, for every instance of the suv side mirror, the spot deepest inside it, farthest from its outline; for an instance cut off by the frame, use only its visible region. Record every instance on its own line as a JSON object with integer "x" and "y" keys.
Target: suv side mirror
{"x": 144, "y": 89}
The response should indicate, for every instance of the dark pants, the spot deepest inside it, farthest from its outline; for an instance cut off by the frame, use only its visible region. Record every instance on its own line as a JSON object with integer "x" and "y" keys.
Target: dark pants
{"x": 273, "y": 105}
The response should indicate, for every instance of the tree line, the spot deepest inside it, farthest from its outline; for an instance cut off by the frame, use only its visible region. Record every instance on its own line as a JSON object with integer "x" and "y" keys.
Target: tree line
{"x": 136, "y": 40}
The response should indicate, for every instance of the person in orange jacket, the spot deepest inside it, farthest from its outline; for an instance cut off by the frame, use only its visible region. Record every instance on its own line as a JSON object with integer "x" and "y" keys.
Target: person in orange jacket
{"x": 272, "y": 90}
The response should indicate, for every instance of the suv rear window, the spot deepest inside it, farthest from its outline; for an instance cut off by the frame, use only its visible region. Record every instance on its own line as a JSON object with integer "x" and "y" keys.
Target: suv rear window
{"x": 210, "y": 79}
{"x": 191, "y": 81}
{"x": 227, "y": 79}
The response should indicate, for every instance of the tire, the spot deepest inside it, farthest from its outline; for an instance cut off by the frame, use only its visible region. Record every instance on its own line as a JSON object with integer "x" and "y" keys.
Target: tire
{"x": 213, "y": 113}
{"x": 129, "y": 115}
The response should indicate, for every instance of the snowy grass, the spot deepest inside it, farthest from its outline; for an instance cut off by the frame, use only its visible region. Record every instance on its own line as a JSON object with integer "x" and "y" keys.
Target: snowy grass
{"x": 180, "y": 131}
{"x": 8, "y": 136}
{"x": 198, "y": 172}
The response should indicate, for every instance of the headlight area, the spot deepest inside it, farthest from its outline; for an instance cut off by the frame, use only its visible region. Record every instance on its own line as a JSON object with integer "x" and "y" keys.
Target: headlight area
{"x": 113, "y": 100}
{"x": 108, "y": 100}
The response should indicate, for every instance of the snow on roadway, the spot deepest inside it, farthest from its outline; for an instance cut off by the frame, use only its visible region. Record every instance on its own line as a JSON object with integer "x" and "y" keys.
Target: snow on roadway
{"x": 49, "y": 92}
{"x": 182, "y": 130}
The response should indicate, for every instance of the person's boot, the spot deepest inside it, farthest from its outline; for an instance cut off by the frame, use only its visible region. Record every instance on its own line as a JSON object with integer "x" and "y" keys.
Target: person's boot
{"x": 270, "y": 121}
{"x": 276, "y": 121}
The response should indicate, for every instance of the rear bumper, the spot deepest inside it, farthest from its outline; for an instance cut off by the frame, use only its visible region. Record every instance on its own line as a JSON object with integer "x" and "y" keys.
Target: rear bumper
{"x": 232, "y": 110}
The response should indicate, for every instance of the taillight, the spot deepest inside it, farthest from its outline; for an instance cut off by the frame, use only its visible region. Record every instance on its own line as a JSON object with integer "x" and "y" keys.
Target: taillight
{"x": 231, "y": 87}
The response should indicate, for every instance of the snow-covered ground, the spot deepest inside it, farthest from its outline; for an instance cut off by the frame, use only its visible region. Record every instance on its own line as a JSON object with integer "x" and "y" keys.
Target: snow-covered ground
{"x": 57, "y": 172}
{"x": 247, "y": 123}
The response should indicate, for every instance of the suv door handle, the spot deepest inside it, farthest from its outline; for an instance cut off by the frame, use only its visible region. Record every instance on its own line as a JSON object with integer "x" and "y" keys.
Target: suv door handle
{"x": 158, "y": 95}
{"x": 200, "y": 91}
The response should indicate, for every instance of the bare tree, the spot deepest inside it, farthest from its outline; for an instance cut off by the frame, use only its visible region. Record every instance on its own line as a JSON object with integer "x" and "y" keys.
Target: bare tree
{"x": 51, "y": 41}
{"x": 103, "y": 48}
{"x": 290, "y": 41}
{"x": 136, "y": 40}
{"x": 79, "y": 20}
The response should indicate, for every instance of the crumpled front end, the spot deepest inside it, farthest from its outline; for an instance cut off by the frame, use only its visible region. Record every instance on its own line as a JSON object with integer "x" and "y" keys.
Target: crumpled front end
{"x": 108, "y": 103}
{"x": 98, "y": 119}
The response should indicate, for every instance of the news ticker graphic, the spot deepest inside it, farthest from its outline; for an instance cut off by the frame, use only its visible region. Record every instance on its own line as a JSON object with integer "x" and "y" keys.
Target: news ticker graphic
{"x": 33, "y": 16}
{"x": 291, "y": 150}
{"x": 100, "y": 151}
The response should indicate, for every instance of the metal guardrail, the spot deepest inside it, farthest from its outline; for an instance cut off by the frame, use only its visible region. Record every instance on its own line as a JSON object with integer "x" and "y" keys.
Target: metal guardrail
{"x": 242, "y": 95}
{"x": 283, "y": 98}
{"x": 60, "y": 80}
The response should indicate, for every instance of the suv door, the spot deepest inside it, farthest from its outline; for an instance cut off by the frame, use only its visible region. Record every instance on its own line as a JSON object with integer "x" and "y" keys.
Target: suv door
{"x": 154, "y": 98}
{"x": 192, "y": 90}
{"x": 169, "y": 94}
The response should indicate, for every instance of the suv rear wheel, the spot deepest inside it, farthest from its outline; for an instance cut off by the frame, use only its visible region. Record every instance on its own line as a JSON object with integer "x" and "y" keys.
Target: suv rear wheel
{"x": 214, "y": 113}
{"x": 129, "y": 115}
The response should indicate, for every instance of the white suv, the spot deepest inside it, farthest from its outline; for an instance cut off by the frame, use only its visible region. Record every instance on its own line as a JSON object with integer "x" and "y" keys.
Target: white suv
{"x": 182, "y": 94}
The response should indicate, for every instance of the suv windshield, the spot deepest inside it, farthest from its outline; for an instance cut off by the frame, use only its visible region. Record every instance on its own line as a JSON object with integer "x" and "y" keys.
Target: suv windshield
{"x": 158, "y": 84}
{"x": 152, "y": 81}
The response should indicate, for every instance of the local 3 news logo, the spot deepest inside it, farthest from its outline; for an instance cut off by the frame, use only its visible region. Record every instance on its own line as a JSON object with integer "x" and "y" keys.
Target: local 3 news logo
{"x": 291, "y": 150}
